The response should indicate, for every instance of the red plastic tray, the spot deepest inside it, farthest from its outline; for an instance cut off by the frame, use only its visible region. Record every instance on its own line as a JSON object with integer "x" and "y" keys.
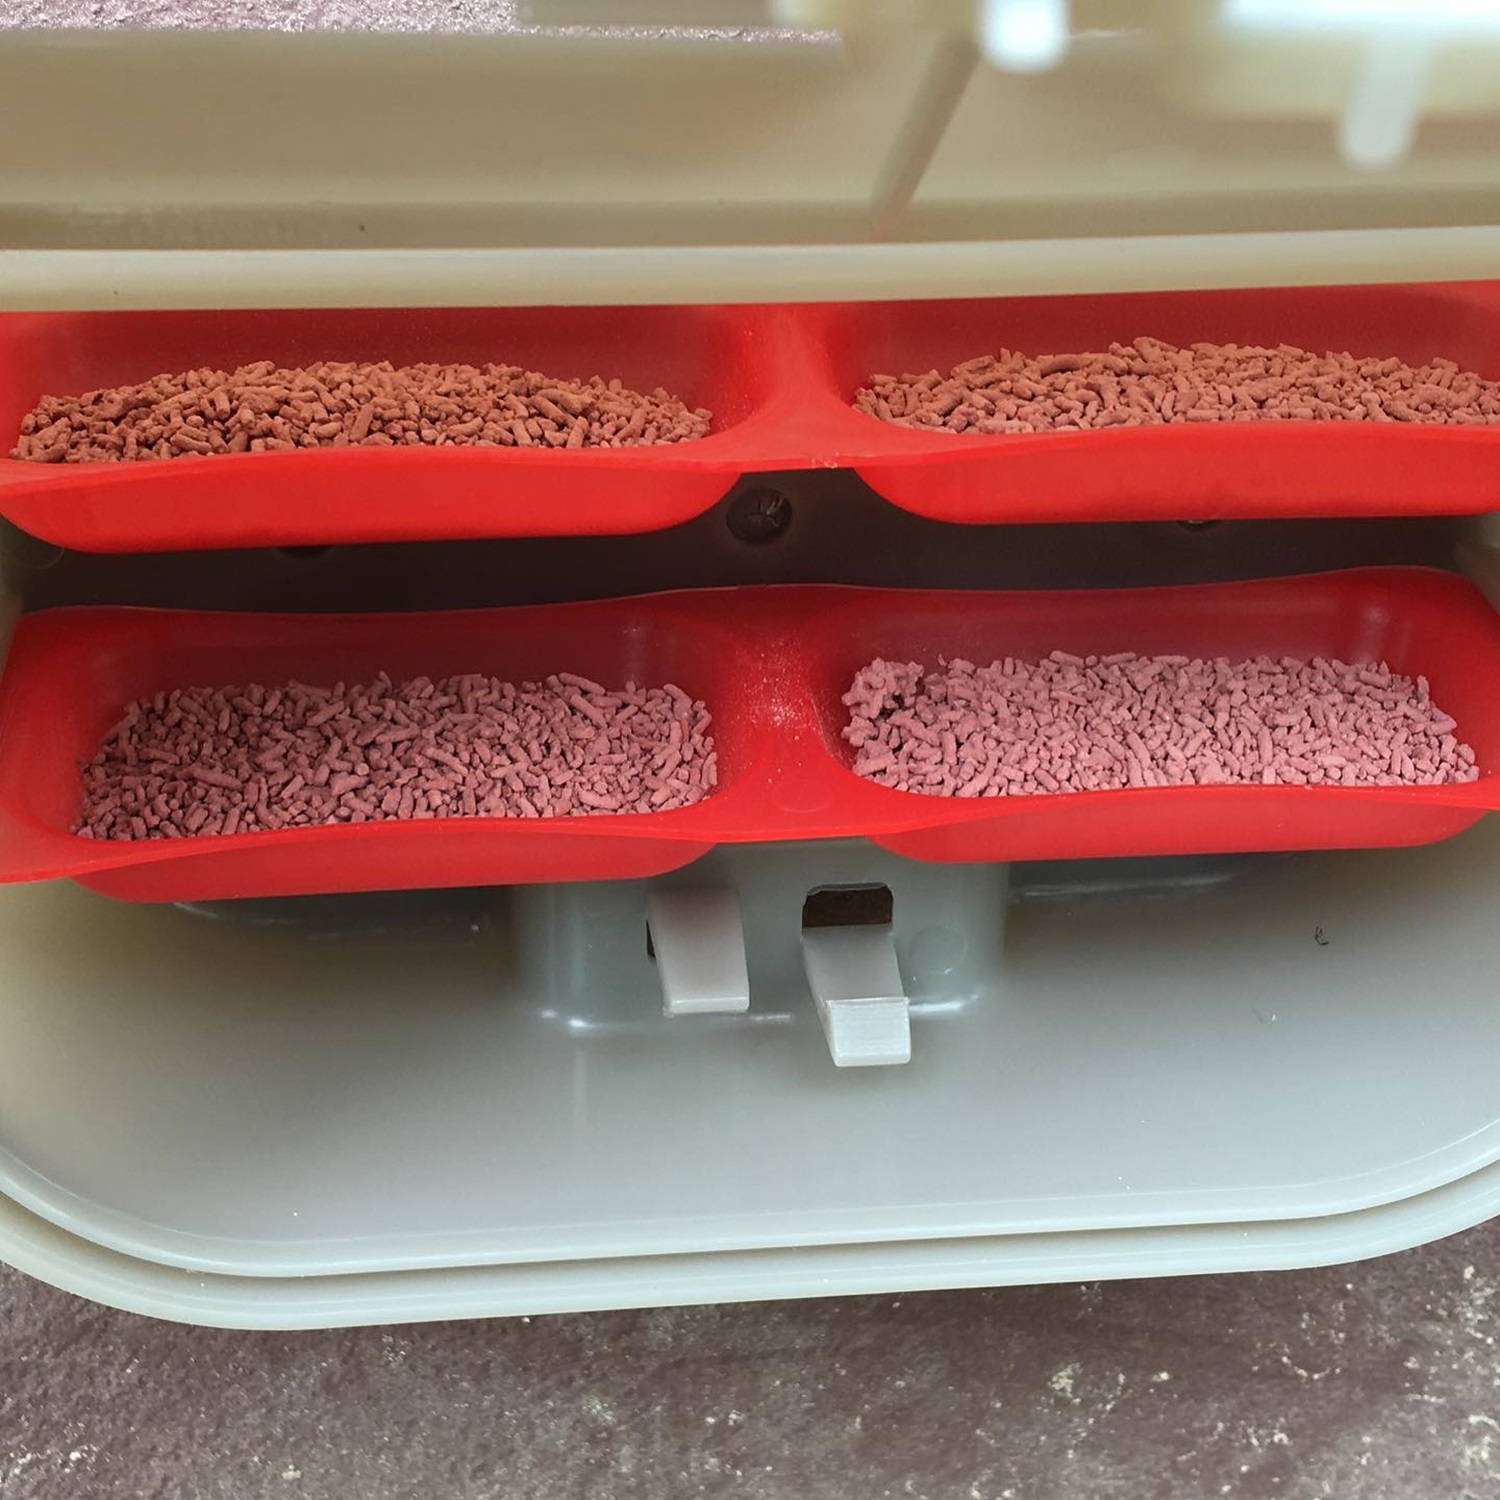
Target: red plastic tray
{"x": 779, "y": 381}
{"x": 1192, "y": 471}
{"x": 772, "y": 664}
{"x": 713, "y": 357}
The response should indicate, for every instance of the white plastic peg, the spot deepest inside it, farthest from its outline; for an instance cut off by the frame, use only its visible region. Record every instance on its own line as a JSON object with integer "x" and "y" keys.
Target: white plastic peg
{"x": 699, "y": 940}
{"x": 856, "y": 985}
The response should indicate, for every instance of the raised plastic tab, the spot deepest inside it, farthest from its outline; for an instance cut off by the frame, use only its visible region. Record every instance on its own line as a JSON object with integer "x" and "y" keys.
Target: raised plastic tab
{"x": 856, "y": 984}
{"x": 699, "y": 940}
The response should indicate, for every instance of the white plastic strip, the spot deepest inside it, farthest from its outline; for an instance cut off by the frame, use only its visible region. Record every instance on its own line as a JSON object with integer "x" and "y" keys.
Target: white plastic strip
{"x": 87, "y": 279}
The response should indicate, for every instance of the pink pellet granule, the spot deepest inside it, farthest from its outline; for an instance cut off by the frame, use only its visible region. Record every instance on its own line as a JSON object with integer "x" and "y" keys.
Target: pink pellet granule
{"x": 1074, "y": 723}
{"x": 230, "y": 760}
{"x": 263, "y": 407}
{"x": 1149, "y": 382}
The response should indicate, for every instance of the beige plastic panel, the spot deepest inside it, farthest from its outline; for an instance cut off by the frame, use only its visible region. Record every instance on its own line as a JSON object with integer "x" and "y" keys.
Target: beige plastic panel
{"x": 1166, "y": 150}
{"x": 270, "y": 141}
{"x": 1311, "y": 77}
{"x": 1138, "y": 133}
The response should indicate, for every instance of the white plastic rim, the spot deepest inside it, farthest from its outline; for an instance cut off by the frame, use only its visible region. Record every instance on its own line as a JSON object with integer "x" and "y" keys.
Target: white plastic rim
{"x": 75, "y": 1265}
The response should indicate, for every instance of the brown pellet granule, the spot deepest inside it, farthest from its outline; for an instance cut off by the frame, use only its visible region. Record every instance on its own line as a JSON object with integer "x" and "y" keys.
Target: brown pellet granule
{"x": 263, "y": 408}
{"x": 1094, "y": 723}
{"x": 231, "y": 760}
{"x": 1149, "y": 382}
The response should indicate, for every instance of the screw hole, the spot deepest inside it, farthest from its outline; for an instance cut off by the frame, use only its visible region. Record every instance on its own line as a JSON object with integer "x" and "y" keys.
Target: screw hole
{"x": 759, "y": 516}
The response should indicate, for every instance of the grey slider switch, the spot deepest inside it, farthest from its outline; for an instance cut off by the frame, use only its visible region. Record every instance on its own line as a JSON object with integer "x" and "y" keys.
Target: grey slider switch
{"x": 699, "y": 941}
{"x": 856, "y": 985}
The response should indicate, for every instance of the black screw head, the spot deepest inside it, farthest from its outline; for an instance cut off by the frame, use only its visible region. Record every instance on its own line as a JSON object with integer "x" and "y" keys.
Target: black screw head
{"x": 759, "y": 516}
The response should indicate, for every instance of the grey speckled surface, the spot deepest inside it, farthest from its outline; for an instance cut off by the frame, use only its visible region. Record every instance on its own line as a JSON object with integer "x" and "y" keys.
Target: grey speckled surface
{"x": 1375, "y": 1382}
{"x": 303, "y": 15}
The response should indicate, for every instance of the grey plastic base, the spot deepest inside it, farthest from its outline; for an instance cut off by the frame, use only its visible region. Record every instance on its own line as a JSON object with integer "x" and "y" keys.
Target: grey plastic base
{"x": 1116, "y": 1069}
{"x": 583, "y": 943}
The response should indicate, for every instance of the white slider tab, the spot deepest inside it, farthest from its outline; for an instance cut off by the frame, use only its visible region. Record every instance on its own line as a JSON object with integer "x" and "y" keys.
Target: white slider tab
{"x": 856, "y": 985}
{"x": 699, "y": 941}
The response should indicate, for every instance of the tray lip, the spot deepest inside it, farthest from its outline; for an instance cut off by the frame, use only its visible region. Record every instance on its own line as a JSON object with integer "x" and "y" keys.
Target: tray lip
{"x": 82, "y": 1266}
{"x": 205, "y": 1254}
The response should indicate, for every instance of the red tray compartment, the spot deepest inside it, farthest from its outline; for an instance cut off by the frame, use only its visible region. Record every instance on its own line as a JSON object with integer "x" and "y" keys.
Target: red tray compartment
{"x": 772, "y": 665}
{"x": 1418, "y": 620}
{"x": 71, "y": 671}
{"x": 1193, "y": 471}
{"x": 712, "y": 357}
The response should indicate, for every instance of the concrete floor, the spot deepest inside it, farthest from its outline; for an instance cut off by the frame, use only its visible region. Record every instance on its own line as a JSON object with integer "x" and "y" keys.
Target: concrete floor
{"x": 277, "y": 15}
{"x": 1373, "y": 1382}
